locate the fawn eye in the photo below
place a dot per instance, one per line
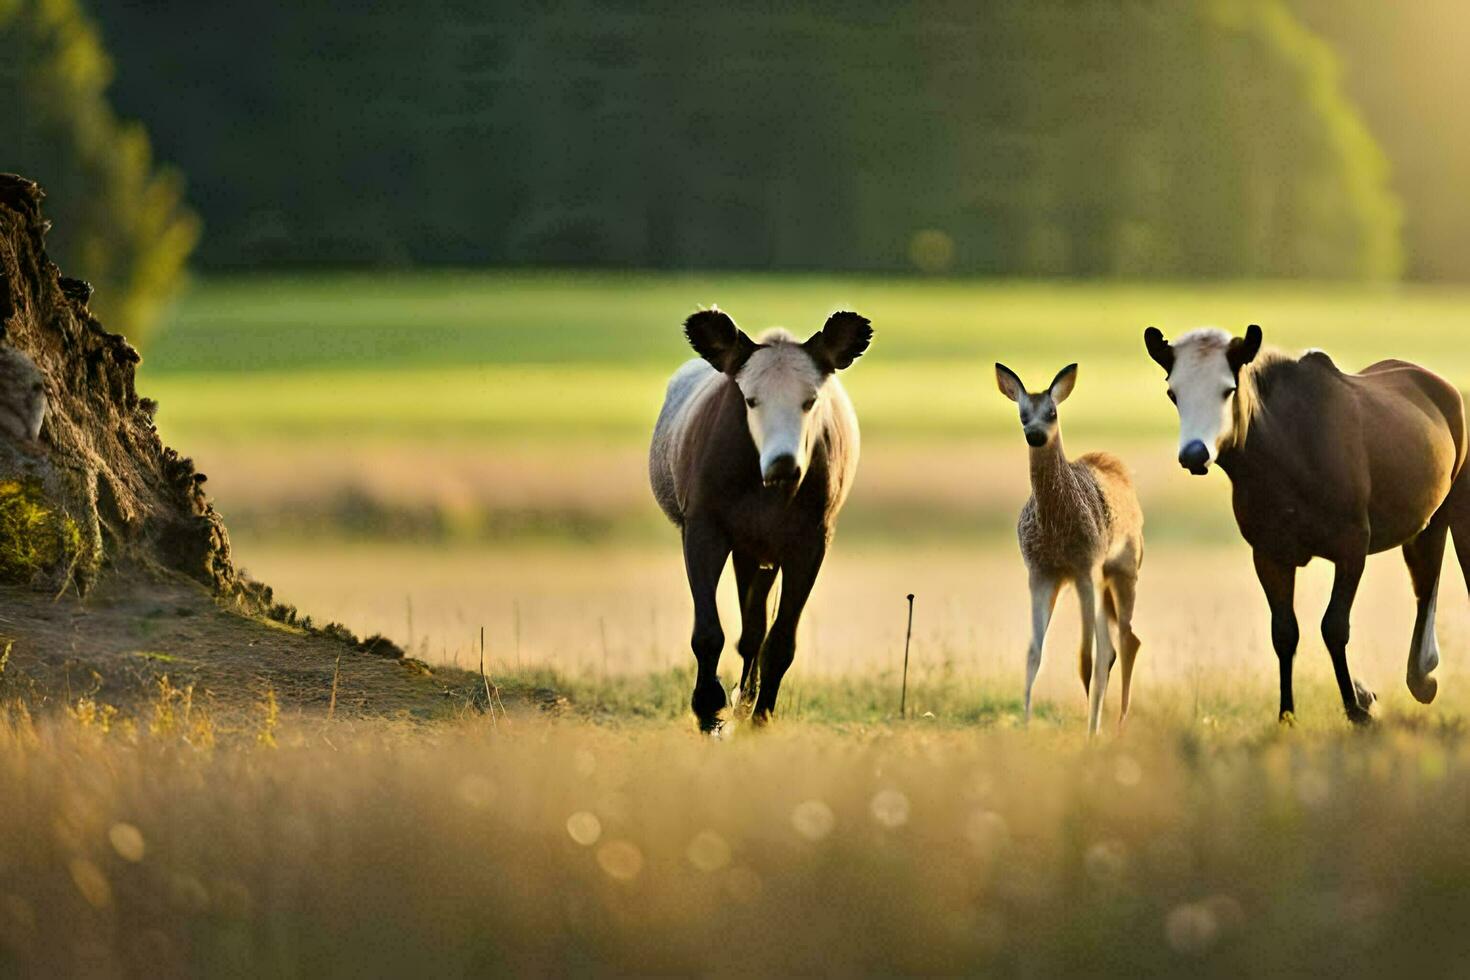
(806, 406)
(1173, 397)
(750, 403)
(1051, 415)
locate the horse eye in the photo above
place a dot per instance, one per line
(1173, 398)
(1229, 391)
(750, 403)
(806, 406)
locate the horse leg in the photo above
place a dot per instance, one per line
(706, 549)
(798, 575)
(753, 585)
(1279, 583)
(1425, 558)
(1123, 588)
(1336, 631)
(1044, 589)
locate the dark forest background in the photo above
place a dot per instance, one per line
(1321, 139)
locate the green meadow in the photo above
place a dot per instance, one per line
(519, 357)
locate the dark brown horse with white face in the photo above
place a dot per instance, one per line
(753, 455)
(1329, 465)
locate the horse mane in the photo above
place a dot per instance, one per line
(1257, 380)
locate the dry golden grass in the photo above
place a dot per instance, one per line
(611, 838)
(1204, 840)
(1219, 846)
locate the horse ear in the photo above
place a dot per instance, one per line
(1159, 349)
(1063, 383)
(841, 341)
(714, 337)
(1243, 350)
(1009, 382)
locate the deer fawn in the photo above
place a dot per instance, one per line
(1083, 526)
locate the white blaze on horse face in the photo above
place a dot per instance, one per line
(1202, 385)
(781, 385)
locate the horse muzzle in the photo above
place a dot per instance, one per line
(782, 472)
(1195, 458)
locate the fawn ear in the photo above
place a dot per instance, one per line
(1159, 349)
(1063, 383)
(1243, 350)
(714, 337)
(1009, 383)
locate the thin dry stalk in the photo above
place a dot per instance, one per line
(602, 629)
(903, 698)
(492, 691)
(515, 610)
(336, 673)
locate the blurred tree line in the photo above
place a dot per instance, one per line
(123, 224)
(1129, 138)
(1015, 137)
(1405, 65)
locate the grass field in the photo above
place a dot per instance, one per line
(508, 358)
(1216, 846)
(427, 455)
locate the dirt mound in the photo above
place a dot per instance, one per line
(98, 488)
(115, 570)
(115, 647)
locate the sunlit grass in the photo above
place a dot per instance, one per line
(1204, 840)
(1218, 847)
(506, 357)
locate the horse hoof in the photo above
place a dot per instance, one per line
(1423, 688)
(1366, 698)
(711, 725)
(1287, 719)
(1360, 716)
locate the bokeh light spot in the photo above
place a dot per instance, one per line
(91, 882)
(621, 859)
(813, 819)
(890, 808)
(1106, 861)
(931, 251)
(1191, 929)
(708, 851)
(127, 841)
(584, 828)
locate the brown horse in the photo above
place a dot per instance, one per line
(1327, 465)
(753, 455)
